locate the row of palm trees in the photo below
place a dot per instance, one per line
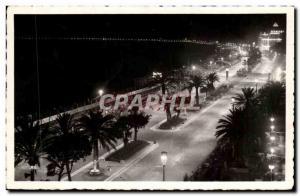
(241, 133)
(170, 79)
(199, 81)
(70, 140)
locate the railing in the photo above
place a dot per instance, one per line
(142, 91)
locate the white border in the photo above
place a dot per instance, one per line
(287, 184)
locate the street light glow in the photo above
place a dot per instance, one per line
(164, 157)
(271, 167)
(272, 150)
(100, 92)
(272, 119)
(272, 127)
(272, 138)
(193, 67)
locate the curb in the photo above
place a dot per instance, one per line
(88, 165)
(133, 162)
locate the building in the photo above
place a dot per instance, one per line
(268, 39)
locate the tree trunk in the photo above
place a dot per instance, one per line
(125, 141)
(96, 153)
(168, 112)
(163, 88)
(190, 91)
(32, 174)
(135, 134)
(68, 171)
(125, 138)
(197, 96)
(60, 172)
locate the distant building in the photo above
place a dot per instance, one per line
(268, 39)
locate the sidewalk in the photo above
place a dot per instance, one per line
(111, 169)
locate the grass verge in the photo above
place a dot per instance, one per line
(128, 151)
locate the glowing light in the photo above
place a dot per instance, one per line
(271, 167)
(272, 138)
(272, 119)
(164, 157)
(193, 67)
(272, 127)
(100, 92)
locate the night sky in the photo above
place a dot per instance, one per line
(71, 71)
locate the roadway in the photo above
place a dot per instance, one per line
(189, 147)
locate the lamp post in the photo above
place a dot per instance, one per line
(227, 73)
(271, 167)
(210, 64)
(232, 102)
(100, 92)
(193, 67)
(272, 127)
(164, 158)
(272, 138)
(272, 150)
(256, 81)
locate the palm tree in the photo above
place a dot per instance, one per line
(99, 128)
(165, 79)
(137, 120)
(211, 79)
(230, 133)
(31, 140)
(246, 99)
(272, 98)
(69, 145)
(198, 81)
(122, 126)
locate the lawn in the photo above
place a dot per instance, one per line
(127, 152)
(174, 122)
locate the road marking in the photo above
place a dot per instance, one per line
(132, 162)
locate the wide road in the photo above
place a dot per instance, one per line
(190, 146)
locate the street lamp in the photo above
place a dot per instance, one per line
(193, 67)
(271, 167)
(272, 127)
(164, 159)
(272, 119)
(256, 81)
(94, 171)
(272, 138)
(227, 73)
(232, 102)
(272, 150)
(100, 92)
